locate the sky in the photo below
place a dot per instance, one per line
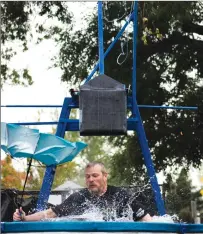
(47, 88)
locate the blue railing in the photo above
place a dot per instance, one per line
(78, 226)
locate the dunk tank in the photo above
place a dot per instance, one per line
(103, 103)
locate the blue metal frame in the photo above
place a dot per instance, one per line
(135, 111)
(62, 226)
(140, 128)
(134, 123)
(50, 171)
(110, 47)
(134, 73)
(100, 37)
(148, 162)
(129, 105)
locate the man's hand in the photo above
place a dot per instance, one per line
(146, 218)
(19, 215)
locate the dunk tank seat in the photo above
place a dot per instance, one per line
(103, 107)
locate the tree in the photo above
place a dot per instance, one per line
(17, 27)
(178, 196)
(64, 172)
(10, 178)
(169, 71)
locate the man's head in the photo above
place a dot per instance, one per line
(96, 177)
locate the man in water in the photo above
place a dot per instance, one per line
(113, 202)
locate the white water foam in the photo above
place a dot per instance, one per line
(163, 219)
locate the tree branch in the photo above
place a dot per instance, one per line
(192, 28)
(165, 46)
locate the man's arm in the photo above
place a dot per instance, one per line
(46, 214)
(139, 212)
(146, 218)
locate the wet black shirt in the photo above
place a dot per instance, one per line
(114, 203)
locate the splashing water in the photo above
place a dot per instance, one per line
(94, 215)
(87, 216)
(164, 219)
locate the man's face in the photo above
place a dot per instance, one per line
(96, 180)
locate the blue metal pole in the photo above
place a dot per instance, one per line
(48, 106)
(50, 171)
(100, 38)
(134, 75)
(148, 162)
(36, 123)
(120, 33)
(139, 126)
(170, 107)
(129, 106)
(46, 188)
